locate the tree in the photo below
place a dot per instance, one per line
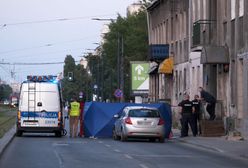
(5, 91)
(134, 31)
(80, 79)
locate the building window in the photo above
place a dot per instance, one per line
(198, 79)
(172, 52)
(241, 8)
(184, 79)
(224, 32)
(204, 9)
(176, 52)
(172, 29)
(241, 33)
(185, 46)
(232, 34)
(233, 7)
(167, 31)
(176, 28)
(158, 34)
(225, 8)
(193, 9)
(164, 34)
(179, 81)
(176, 85)
(181, 51)
(161, 33)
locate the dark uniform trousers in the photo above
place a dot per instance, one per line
(211, 110)
(188, 118)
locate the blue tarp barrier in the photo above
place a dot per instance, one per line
(99, 117)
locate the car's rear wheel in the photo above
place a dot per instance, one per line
(115, 137)
(123, 137)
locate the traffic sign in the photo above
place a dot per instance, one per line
(81, 94)
(140, 76)
(118, 93)
(95, 86)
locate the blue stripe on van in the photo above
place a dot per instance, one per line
(40, 114)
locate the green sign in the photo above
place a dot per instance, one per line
(140, 77)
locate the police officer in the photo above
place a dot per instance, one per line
(74, 113)
(211, 101)
(187, 110)
(197, 114)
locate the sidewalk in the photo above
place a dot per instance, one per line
(238, 148)
(6, 139)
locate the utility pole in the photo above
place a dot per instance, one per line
(118, 61)
(122, 68)
(120, 65)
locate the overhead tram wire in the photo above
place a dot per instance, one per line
(46, 45)
(52, 20)
(34, 63)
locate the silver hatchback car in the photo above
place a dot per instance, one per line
(139, 122)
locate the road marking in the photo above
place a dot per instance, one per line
(166, 156)
(107, 145)
(116, 150)
(100, 142)
(128, 156)
(59, 159)
(143, 166)
(60, 144)
(204, 147)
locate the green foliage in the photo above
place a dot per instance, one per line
(134, 31)
(5, 91)
(103, 68)
(80, 79)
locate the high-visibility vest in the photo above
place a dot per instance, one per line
(75, 109)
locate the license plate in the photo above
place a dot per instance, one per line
(31, 123)
(144, 123)
(49, 122)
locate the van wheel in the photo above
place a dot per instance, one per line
(19, 133)
(58, 134)
(152, 139)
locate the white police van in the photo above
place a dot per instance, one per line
(40, 106)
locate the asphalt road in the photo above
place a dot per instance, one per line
(39, 151)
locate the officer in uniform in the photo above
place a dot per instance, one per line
(187, 110)
(74, 113)
(197, 114)
(211, 101)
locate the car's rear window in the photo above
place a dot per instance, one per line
(144, 113)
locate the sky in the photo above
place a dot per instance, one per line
(33, 31)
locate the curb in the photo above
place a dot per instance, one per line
(6, 139)
(202, 146)
(212, 149)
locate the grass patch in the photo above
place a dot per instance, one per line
(7, 119)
